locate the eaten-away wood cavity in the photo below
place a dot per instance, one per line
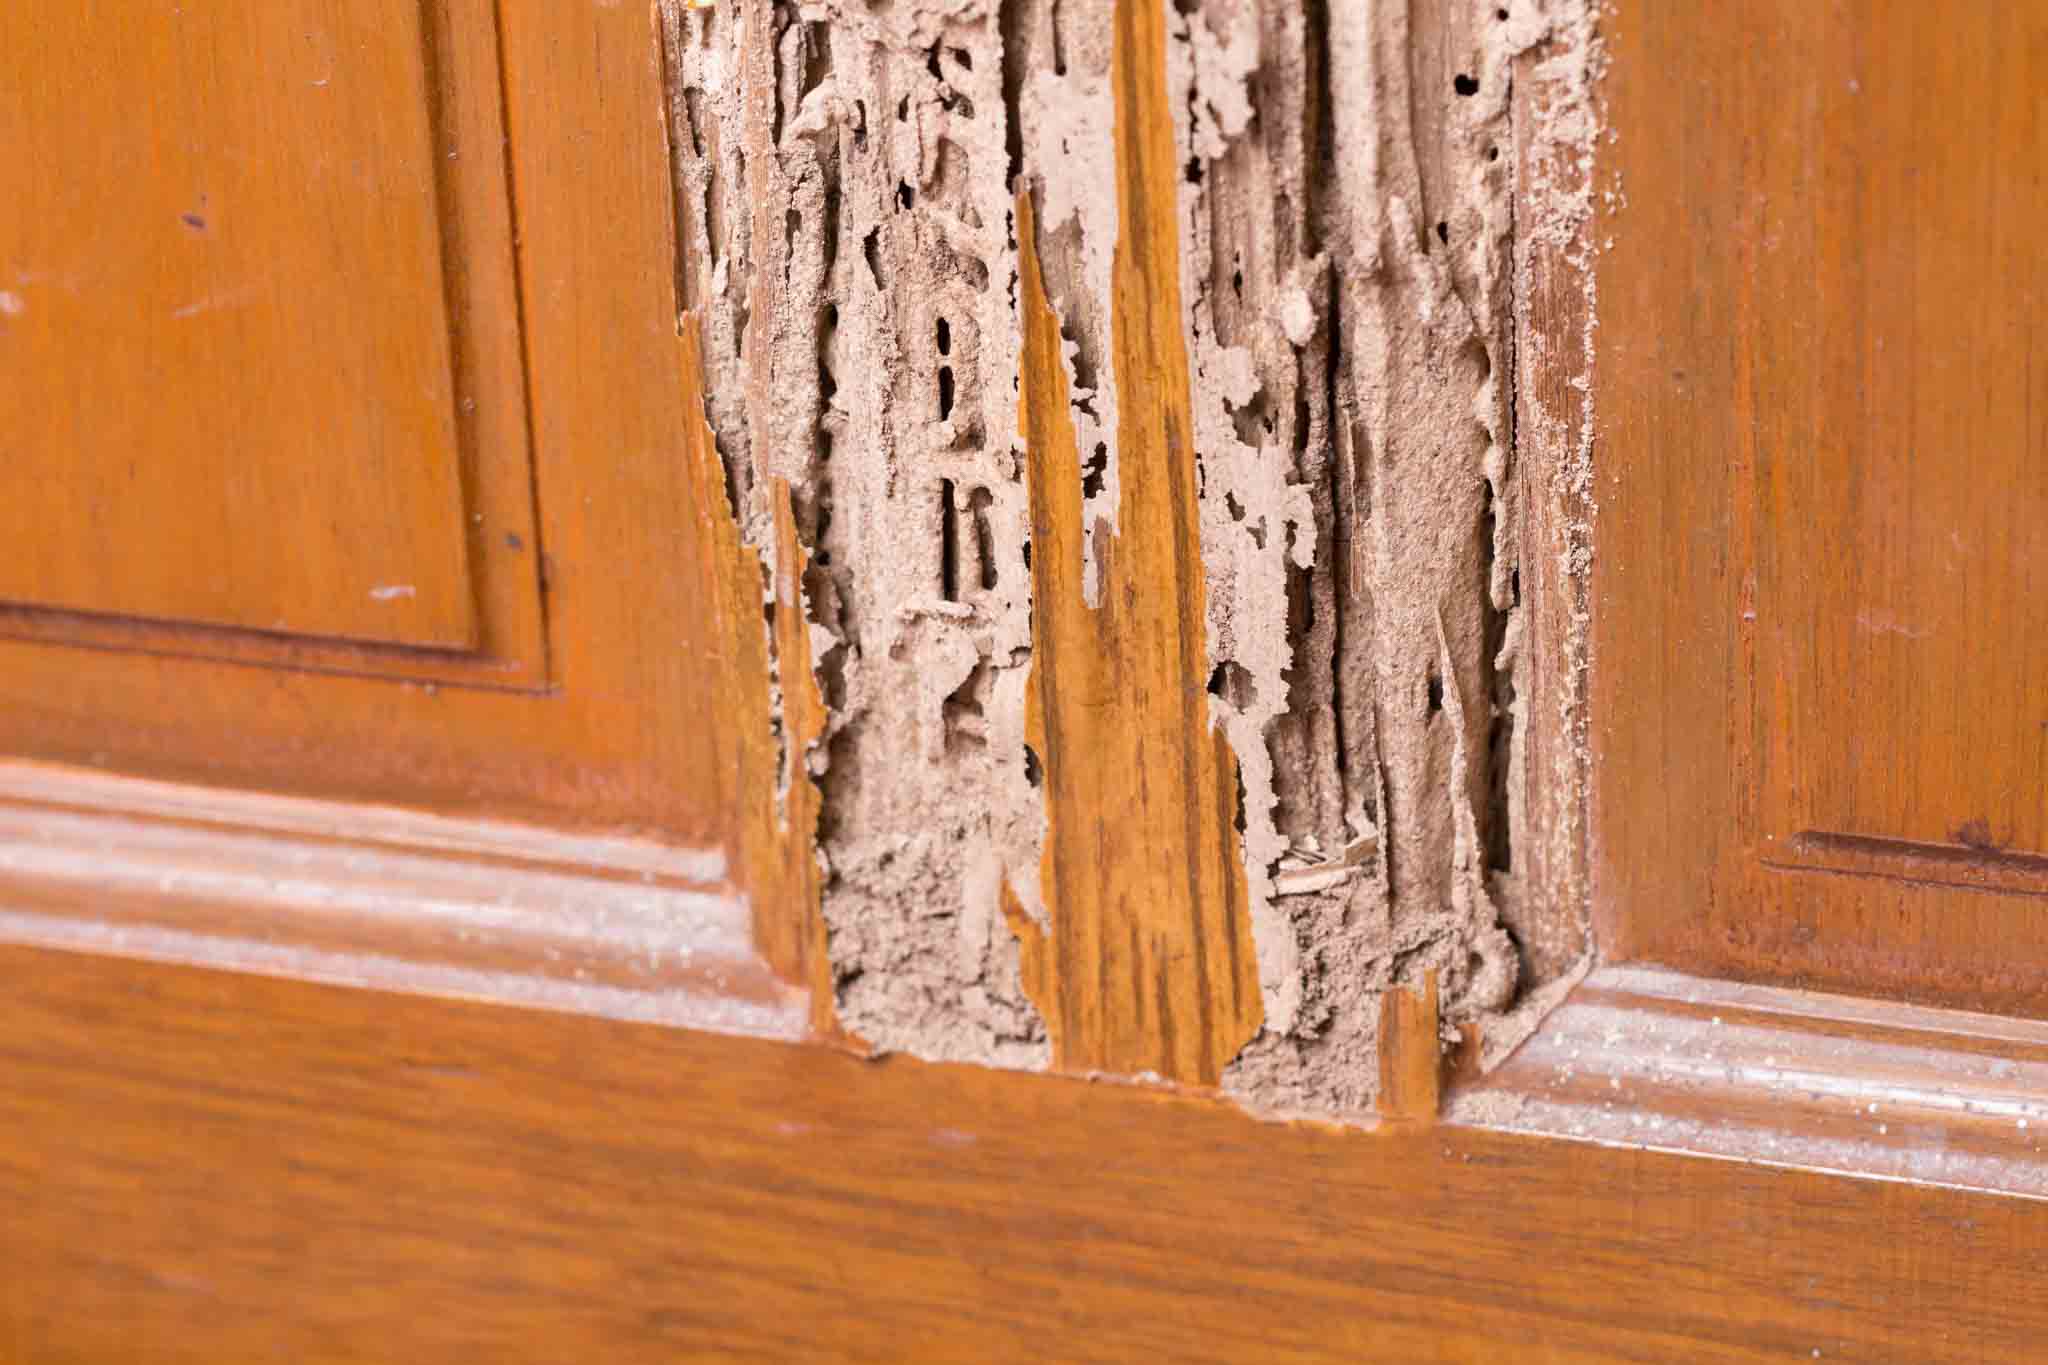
(1143, 381)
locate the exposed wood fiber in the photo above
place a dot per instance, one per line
(1242, 595)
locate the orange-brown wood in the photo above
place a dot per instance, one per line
(173, 496)
(651, 712)
(200, 1166)
(229, 383)
(769, 709)
(1148, 964)
(1821, 665)
(1411, 1051)
(1553, 451)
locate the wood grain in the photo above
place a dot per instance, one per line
(769, 709)
(202, 1166)
(1553, 456)
(1820, 723)
(228, 382)
(634, 732)
(458, 97)
(1148, 962)
(1411, 1052)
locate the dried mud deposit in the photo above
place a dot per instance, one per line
(1352, 242)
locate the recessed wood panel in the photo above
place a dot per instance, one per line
(633, 725)
(1902, 486)
(234, 267)
(1820, 691)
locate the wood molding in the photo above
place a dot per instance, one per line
(1649, 1058)
(383, 898)
(209, 1167)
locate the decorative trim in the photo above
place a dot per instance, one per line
(1652, 1059)
(384, 898)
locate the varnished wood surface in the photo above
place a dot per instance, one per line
(384, 898)
(638, 723)
(1820, 691)
(227, 380)
(1645, 1057)
(1148, 964)
(202, 1166)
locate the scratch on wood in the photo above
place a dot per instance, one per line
(1148, 963)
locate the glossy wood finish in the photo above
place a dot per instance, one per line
(172, 487)
(1644, 1057)
(1148, 964)
(1821, 685)
(384, 898)
(651, 715)
(228, 384)
(358, 1176)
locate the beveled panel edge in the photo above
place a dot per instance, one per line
(1647, 1058)
(383, 898)
(1971, 867)
(483, 293)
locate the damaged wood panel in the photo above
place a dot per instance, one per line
(1555, 125)
(876, 317)
(871, 203)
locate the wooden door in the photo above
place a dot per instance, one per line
(409, 940)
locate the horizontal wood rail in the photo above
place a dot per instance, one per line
(379, 897)
(1649, 1058)
(362, 1176)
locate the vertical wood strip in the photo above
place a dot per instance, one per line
(1554, 459)
(1411, 1053)
(1148, 963)
(766, 717)
(789, 848)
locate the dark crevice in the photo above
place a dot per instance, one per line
(1094, 470)
(1010, 21)
(979, 500)
(949, 544)
(1498, 687)
(1233, 683)
(1343, 518)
